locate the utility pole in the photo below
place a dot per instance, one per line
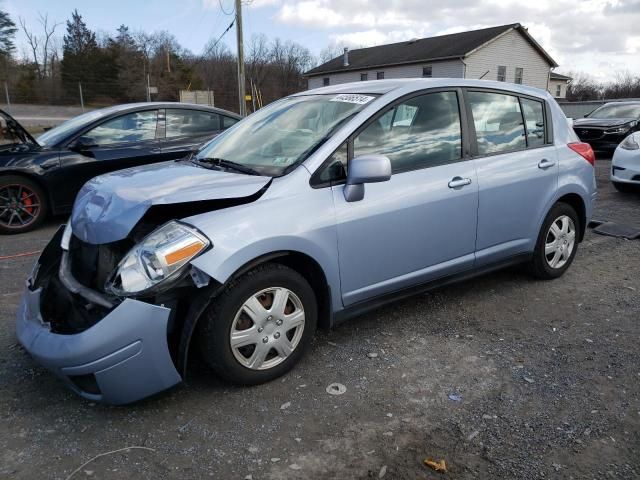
(6, 92)
(81, 99)
(241, 92)
(148, 89)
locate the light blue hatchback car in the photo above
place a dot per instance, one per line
(312, 210)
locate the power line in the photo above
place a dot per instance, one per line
(215, 44)
(223, 10)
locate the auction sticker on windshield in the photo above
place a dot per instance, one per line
(352, 98)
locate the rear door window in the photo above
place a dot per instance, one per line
(534, 121)
(498, 122)
(190, 123)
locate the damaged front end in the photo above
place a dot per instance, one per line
(110, 348)
(113, 300)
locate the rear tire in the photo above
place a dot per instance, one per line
(23, 204)
(557, 243)
(624, 187)
(260, 326)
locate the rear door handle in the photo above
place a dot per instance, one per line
(459, 182)
(544, 164)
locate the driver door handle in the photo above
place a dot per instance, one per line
(544, 164)
(459, 182)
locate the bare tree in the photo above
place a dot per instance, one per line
(40, 45)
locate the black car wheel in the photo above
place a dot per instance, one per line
(23, 204)
(625, 187)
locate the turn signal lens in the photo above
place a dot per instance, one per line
(184, 253)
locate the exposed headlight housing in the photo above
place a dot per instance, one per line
(622, 128)
(630, 143)
(157, 259)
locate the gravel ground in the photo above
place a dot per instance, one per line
(501, 376)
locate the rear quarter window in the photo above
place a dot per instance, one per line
(533, 111)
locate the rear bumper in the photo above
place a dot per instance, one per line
(124, 357)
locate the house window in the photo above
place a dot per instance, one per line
(558, 90)
(502, 73)
(427, 71)
(519, 73)
(380, 75)
(364, 77)
(325, 81)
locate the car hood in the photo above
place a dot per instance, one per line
(109, 206)
(18, 130)
(601, 122)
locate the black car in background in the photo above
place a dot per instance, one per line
(608, 125)
(43, 175)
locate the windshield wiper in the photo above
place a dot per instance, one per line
(228, 164)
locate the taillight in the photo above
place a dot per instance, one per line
(584, 150)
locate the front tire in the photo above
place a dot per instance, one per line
(624, 187)
(23, 204)
(557, 243)
(260, 326)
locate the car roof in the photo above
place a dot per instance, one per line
(126, 107)
(382, 87)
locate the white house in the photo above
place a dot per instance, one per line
(506, 53)
(558, 85)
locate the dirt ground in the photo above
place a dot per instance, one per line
(501, 376)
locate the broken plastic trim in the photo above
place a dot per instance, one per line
(71, 284)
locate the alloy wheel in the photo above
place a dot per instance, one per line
(19, 206)
(560, 241)
(267, 328)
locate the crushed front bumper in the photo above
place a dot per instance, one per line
(122, 358)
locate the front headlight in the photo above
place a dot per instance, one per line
(622, 129)
(159, 257)
(630, 143)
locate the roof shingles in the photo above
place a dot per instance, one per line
(455, 45)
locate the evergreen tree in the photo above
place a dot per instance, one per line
(7, 33)
(81, 60)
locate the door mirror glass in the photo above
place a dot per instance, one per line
(365, 169)
(83, 144)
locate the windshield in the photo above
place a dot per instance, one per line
(616, 111)
(59, 133)
(274, 139)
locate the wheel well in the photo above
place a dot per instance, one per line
(577, 203)
(309, 269)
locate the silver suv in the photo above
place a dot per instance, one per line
(314, 209)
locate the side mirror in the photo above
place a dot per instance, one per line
(365, 169)
(83, 144)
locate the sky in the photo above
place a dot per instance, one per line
(597, 37)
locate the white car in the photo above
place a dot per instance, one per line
(625, 166)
